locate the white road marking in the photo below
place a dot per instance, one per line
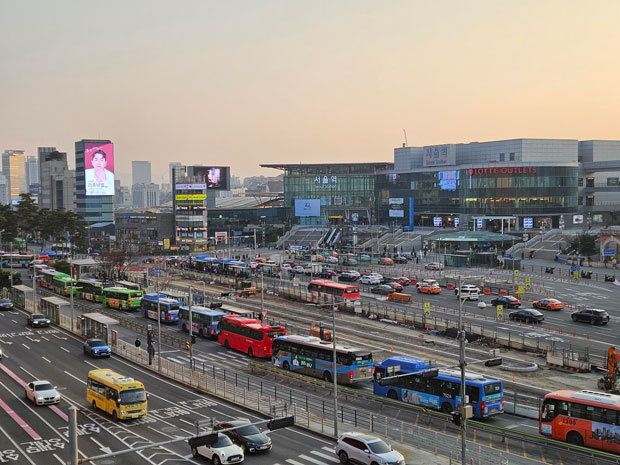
(325, 456)
(311, 459)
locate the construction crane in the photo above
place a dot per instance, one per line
(406, 143)
(609, 382)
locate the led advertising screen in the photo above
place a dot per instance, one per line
(448, 180)
(215, 177)
(99, 168)
(307, 207)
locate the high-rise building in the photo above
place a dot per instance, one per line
(141, 172)
(146, 195)
(94, 180)
(4, 190)
(32, 171)
(14, 169)
(171, 168)
(56, 180)
(189, 195)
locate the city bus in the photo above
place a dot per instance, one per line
(583, 418)
(328, 288)
(117, 395)
(45, 277)
(248, 335)
(205, 321)
(168, 308)
(121, 298)
(311, 356)
(16, 260)
(92, 289)
(128, 285)
(443, 392)
(62, 284)
(243, 312)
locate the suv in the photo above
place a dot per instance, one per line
(468, 292)
(593, 316)
(365, 449)
(246, 435)
(38, 320)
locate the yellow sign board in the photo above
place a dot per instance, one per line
(528, 283)
(516, 273)
(166, 244)
(191, 196)
(500, 313)
(521, 291)
(427, 309)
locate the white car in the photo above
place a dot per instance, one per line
(331, 259)
(299, 269)
(468, 292)
(369, 279)
(223, 452)
(42, 393)
(354, 273)
(365, 449)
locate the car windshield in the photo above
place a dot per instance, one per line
(43, 387)
(511, 298)
(5, 301)
(248, 430)
(222, 441)
(133, 396)
(599, 312)
(534, 312)
(379, 447)
(97, 343)
(38, 317)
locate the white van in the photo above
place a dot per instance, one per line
(469, 292)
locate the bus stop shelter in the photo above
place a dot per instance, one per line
(97, 325)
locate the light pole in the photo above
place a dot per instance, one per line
(158, 327)
(335, 370)
(191, 325)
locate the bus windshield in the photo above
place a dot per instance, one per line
(133, 295)
(133, 396)
(274, 334)
(492, 388)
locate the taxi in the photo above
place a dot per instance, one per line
(548, 304)
(429, 288)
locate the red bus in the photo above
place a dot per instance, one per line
(248, 335)
(583, 418)
(326, 287)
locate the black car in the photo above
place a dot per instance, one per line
(396, 286)
(400, 259)
(245, 435)
(389, 279)
(6, 304)
(328, 274)
(529, 315)
(38, 320)
(593, 316)
(383, 289)
(350, 277)
(507, 301)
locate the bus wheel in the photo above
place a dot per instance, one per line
(445, 407)
(250, 352)
(327, 376)
(94, 405)
(226, 344)
(286, 366)
(574, 438)
(392, 395)
(195, 452)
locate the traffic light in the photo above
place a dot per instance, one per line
(226, 294)
(283, 422)
(149, 337)
(456, 418)
(193, 339)
(137, 343)
(205, 440)
(187, 345)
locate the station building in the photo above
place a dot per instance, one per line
(498, 185)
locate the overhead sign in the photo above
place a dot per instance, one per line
(396, 201)
(307, 207)
(439, 155)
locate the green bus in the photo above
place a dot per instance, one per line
(62, 284)
(92, 289)
(122, 298)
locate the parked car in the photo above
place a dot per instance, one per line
(369, 279)
(41, 393)
(223, 452)
(299, 269)
(328, 274)
(429, 288)
(348, 276)
(403, 281)
(433, 266)
(97, 348)
(594, 316)
(400, 259)
(386, 261)
(396, 286)
(364, 258)
(349, 262)
(364, 449)
(468, 292)
(528, 315)
(245, 435)
(331, 260)
(38, 320)
(382, 289)
(507, 301)
(548, 304)
(6, 304)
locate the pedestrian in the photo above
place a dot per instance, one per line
(417, 260)
(614, 263)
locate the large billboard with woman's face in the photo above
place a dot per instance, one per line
(215, 177)
(99, 168)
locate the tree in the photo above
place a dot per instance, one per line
(5, 280)
(27, 214)
(584, 244)
(63, 266)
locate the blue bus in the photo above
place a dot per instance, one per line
(168, 308)
(311, 356)
(205, 321)
(486, 394)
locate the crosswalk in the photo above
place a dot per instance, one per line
(324, 456)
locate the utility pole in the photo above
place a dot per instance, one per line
(158, 328)
(254, 242)
(335, 369)
(262, 290)
(191, 326)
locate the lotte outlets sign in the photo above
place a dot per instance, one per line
(503, 170)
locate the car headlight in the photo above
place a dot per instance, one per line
(39, 399)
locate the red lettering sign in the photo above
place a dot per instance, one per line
(505, 170)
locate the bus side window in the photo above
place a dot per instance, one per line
(549, 410)
(473, 392)
(562, 408)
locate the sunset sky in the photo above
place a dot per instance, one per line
(246, 82)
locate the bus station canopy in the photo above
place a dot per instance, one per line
(474, 236)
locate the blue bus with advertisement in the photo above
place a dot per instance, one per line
(167, 307)
(486, 394)
(205, 321)
(312, 356)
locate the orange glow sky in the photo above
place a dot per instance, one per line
(246, 82)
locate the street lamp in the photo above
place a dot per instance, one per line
(334, 365)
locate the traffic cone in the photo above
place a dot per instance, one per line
(392, 348)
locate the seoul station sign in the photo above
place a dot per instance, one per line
(503, 170)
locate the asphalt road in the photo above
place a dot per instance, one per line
(38, 435)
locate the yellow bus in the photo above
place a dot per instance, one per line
(115, 394)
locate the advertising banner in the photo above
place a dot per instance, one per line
(397, 213)
(437, 221)
(577, 219)
(99, 168)
(528, 223)
(307, 207)
(215, 177)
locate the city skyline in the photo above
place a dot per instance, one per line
(279, 82)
